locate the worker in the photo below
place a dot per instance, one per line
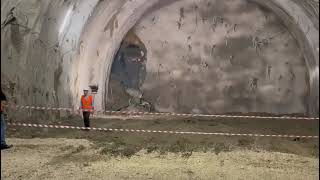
(87, 107)
(3, 124)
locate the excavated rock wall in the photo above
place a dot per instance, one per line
(212, 62)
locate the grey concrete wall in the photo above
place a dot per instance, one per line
(38, 52)
(203, 55)
(69, 45)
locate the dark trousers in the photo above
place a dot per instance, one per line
(86, 119)
(3, 131)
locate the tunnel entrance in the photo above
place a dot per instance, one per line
(129, 66)
(128, 73)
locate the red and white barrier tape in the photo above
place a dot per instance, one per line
(157, 131)
(167, 114)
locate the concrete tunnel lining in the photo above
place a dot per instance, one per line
(99, 32)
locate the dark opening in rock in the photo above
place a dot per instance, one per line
(128, 73)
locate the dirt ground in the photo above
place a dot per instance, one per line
(80, 159)
(61, 153)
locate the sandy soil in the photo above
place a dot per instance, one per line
(80, 159)
(183, 143)
(61, 153)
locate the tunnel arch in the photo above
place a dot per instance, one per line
(70, 45)
(290, 13)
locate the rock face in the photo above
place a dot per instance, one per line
(208, 56)
(222, 56)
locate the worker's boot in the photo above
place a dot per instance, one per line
(5, 146)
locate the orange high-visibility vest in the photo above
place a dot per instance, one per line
(86, 102)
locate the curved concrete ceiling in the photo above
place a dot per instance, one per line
(72, 44)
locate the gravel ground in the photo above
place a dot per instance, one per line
(41, 153)
(58, 158)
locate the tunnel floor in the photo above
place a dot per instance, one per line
(142, 156)
(78, 159)
(178, 143)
